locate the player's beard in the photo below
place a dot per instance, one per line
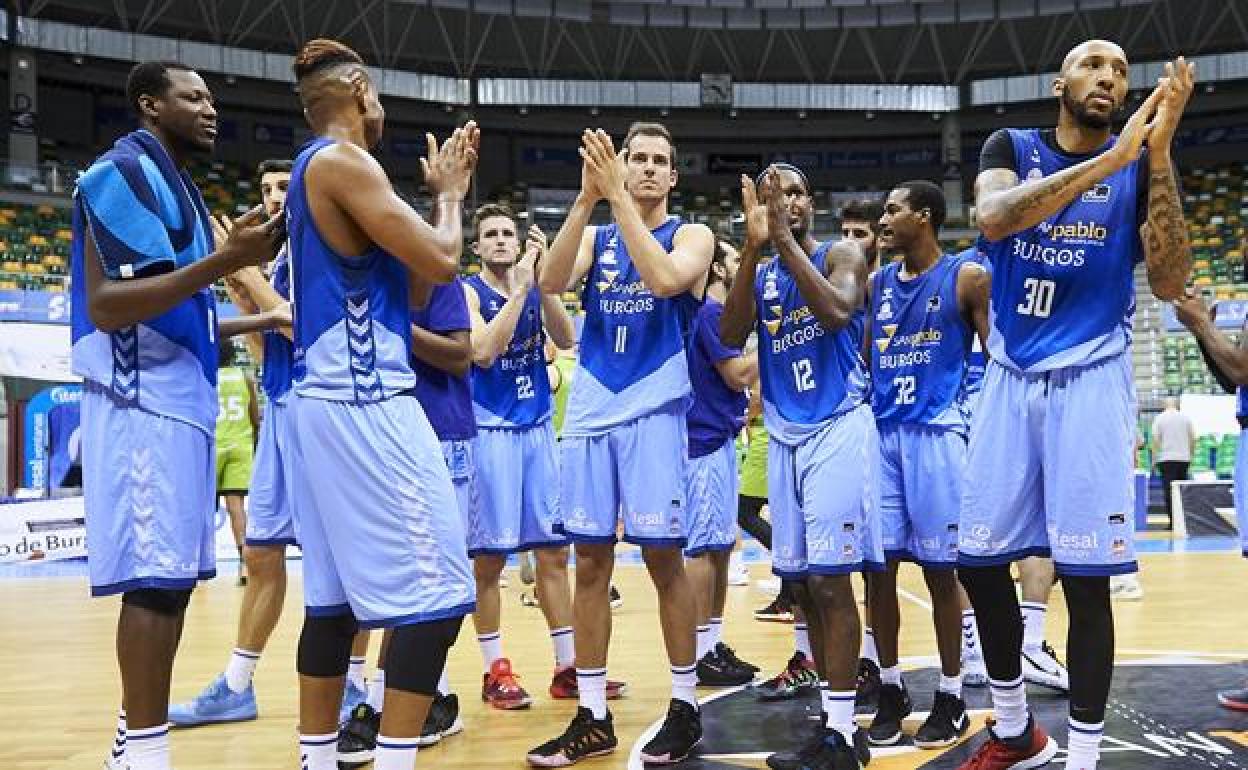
(1079, 111)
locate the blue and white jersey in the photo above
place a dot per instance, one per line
(921, 343)
(808, 375)
(352, 341)
(515, 391)
(275, 371)
(446, 398)
(1063, 292)
(977, 362)
(632, 357)
(167, 364)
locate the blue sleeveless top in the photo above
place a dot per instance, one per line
(632, 351)
(921, 343)
(278, 350)
(809, 376)
(167, 364)
(352, 341)
(515, 391)
(1063, 292)
(718, 411)
(446, 399)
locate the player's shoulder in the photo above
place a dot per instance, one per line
(344, 158)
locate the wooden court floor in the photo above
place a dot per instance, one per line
(60, 683)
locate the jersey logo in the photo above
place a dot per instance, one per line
(885, 312)
(493, 306)
(609, 277)
(1098, 194)
(608, 253)
(889, 331)
(773, 326)
(933, 304)
(769, 288)
(1035, 173)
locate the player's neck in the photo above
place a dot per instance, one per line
(920, 259)
(344, 130)
(178, 151)
(1076, 138)
(499, 278)
(653, 213)
(717, 291)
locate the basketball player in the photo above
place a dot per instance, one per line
(860, 222)
(1040, 663)
(380, 547)
(1229, 363)
(720, 375)
(230, 697)
(144, 334)
(923, 311)
(519, 482)
(238, 419)
(806, 303)
(1069, 213)
(622, 454)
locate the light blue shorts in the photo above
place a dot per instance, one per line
(150, 497)
(921, 471)
(824, 499)
(461, 462)
(269, 519)
(1050, 470)
(635, 472)
(1241, 495)
(518, 481)
(711, 492)
(376, 513)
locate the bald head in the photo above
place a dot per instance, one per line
(1090, 47)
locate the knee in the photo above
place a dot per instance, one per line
(941, 583)
(664, 564)
(325, 645)
(551, 560)
(1087, 598)
(488, 568)
(417, 655)
(594, 563)
(831, 592)
(264, 561)
(162, 601)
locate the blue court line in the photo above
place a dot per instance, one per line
(751, 553)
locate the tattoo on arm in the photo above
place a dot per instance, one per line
(1168, 253)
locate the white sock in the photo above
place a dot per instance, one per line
(319, 752)
(1009, 705)
(239, 670)
(591, 683)
(377, 690)
(395, 753)
(444, 683)
(119, 738)
(838, 706)
(891, 675)
(802, 636)
(147, 748)
(868, 646)
(951, 685)
(565, 646)
(1033, 624)
(970, 635)
(704, 641)
(1083, 745)
(717, 631)
(355, 672)
(685, 684)
(491, 648)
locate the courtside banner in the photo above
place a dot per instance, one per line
(42, 530)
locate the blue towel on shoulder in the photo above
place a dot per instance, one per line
(145, 214)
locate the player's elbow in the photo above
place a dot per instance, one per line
(991, 218)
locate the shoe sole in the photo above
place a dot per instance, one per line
(508, 705)
(1233, 705)
(535, 761)
(650, 759)
(1042, 758)
(356, 758)
(773, 618)
(892, 740)
(215, 721)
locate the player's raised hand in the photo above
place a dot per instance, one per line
(773, 199)
(755, 213)
(253, 240)
(448, 169)
(536, 242)
(603, 166)
(1176, 86)
(1192, 310)
(1137, 129)
(525, 271)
